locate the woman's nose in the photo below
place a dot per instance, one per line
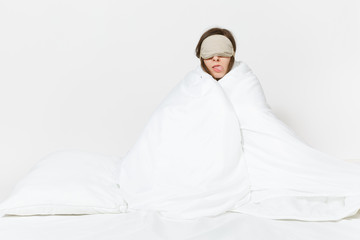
(215, 58)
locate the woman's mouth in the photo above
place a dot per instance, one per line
(218, 68)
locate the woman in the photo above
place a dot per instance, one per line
(214, 60)
(213, 145)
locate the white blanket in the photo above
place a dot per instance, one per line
(152, 226)
(215, 146)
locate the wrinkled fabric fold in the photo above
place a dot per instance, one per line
(215, 146)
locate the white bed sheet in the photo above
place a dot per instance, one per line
(136, 225)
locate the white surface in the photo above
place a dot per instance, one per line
(229, 226)
(87, 74)
(68, 182)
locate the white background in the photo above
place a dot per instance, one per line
(87, 74)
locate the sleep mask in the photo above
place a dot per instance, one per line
(216, 45)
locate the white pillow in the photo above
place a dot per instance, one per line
(68, 182)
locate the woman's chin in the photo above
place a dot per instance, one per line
(217, 76)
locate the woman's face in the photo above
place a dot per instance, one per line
(218, 66)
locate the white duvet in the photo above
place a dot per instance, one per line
(215, 146)
(152, 226)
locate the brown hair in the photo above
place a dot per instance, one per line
(213, 31)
